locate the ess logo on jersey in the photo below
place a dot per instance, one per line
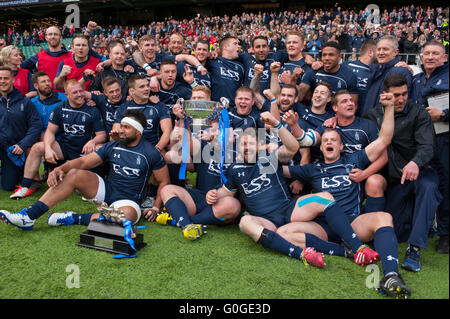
(74, 129)
(125, 171)
(110, 117)
(214, 167)
(336, 181)
(256, 184)
(264, 76)
(233, 75)
(149, 124)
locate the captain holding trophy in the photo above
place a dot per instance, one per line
(201, 143)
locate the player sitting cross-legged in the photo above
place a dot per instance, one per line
(132, 160)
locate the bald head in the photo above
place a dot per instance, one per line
(53, 37)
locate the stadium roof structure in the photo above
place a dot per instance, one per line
(23, 9)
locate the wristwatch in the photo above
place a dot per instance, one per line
(443, 116)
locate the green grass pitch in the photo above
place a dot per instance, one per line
(46, 263)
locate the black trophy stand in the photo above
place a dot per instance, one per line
(109, 236)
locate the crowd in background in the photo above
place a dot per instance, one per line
(412, 25)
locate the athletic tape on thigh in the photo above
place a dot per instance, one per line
(315, 199)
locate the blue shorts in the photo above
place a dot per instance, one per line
(67, 152)
(282, 215)
(332, 236)
(199, 198)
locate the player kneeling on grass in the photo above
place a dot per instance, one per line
(332, 174)
(132, 160)
(261, 183)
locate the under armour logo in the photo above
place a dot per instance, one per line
(392, 258)
(116, 155)
(241, 174)
(180, 220)
(291, 250)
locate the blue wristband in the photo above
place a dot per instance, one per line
(278, 126)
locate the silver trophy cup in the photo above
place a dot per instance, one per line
(202, 112)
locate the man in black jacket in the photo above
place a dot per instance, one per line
(432, 82)
(412, 196)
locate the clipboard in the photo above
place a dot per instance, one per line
(441, 102)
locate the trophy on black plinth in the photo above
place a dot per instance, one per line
(108, 233)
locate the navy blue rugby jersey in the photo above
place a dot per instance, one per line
(334, 178)
(226, 77)
(249, 62)
(204, 80)
(171, 96)
(76, 126)
(261, 184)
(107, 110)
(129, 169)
(357, 135)
(340, 80)
(154, 114)
(291, 65)
(208, 170)
(362, 73)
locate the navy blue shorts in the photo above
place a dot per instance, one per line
(67, 152)
(199, 198)
(282, 215)
(332, 236)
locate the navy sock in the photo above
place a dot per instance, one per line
(386, 245)
(323, 246)
(272, 240)
(375, 204)
(82, 219)
(207, 217)
(152, 190)
(177, 209)
(37, 210)
(26, 182)
(339, 223)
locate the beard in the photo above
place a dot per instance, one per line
(46, 94)
(284, 108)
(125, 141)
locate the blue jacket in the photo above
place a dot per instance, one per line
(19, 121)
(435, 84)
(376, 86)
(45, 108)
